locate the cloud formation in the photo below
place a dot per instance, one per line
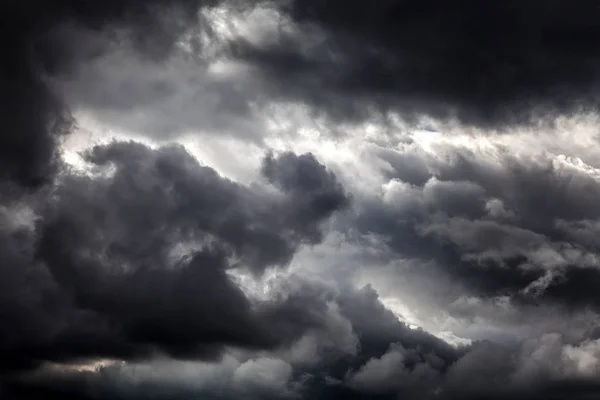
(505, 63)
(134, 260)
(34, 117)
(299, 200)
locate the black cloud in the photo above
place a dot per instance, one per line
(486, 64)
(303, 304)
(100, 273)
(400, 362)
(313, 192)
(37, 43)
(499, 225)
(137, 256)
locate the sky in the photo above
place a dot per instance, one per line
(299, 199)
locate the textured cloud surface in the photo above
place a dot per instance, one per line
(299, 200)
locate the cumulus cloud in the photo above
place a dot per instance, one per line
(497, 221)
(504, 64)
(299, 200)
(137, 256)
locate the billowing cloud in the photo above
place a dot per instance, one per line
(494, 65)
(37, 44)
(299, 200)
(135, 258)
(499, 222)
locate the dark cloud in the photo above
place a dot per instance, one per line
(498, 66)
(401, 362)
(378, 330)
(145, 256)
(505, 63)
(377, 327)
(135, 258)
(302, 303)
(534, 370)
(495, 223)
(313, 192)
(37, 42)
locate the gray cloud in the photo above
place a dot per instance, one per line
(164, 98)
(498, 65)
(136, 258)
(360, 317)
(389, 360)
(191, 284)
(34, 116)
(500, 224)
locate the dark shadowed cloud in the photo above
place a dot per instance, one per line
(494, 64)
(294, 262)
(499, 223)
(306, 304)
(400, 362)
(135, 259)
(37, 43)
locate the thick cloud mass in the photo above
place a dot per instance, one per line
(502, 225)
(135, 259)
(297, 200)
(36, 44)
(486, 64)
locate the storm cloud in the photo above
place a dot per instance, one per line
(137, 258)
(299, 200)
(487, 65)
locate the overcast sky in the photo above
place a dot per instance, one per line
(300, 199)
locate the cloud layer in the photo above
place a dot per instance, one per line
(299, 200)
